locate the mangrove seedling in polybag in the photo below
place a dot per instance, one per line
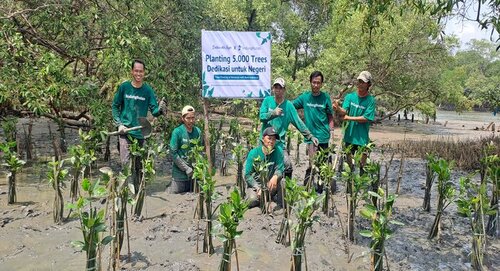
(230, 215)
(304, 208)
(473, 203)
(13, 165)
(446, 192)
(56, 176)
(380, 219)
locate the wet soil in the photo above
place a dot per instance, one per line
(167, 237)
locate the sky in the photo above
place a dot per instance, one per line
(467, 30)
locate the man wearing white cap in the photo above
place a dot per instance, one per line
(358, 110)
(277, 112)
(182, 170)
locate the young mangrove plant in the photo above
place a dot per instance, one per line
(261, 168)
(380, 218)
(429, 180)
(239, 152)
(230, 215)
(304, 208)
(326, 173)
(373, 170)
(137, 153)
(9, 128)
(206, 180)
(357, 186)
(473, 203)
(13, 165)
(118, 197)
(446, 192)
(92, 223)
(235, 130)
(289, 135)
(300, 139)
(148, 154)
(492, 174)
(81, 159)
(225, 144)
(56, 176)
(292, 194)
(195, 154)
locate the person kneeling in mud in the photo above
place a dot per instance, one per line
(267, 153)
(182, 170)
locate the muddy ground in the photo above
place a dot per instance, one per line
(166, 239)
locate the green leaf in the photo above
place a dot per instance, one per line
(366, 233)
(395, 222)
(106, 240)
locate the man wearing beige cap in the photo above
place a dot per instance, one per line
(182, 170)
(277, 112)
(358, 110)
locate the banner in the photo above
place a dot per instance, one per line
(236, 64)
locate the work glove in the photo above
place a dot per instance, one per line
(121, 128)
(315, 141)
(277, 112)
(189, 172)
(163, 106)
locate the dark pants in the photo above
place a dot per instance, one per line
(178, 186)
(136, 170)
(309, 171)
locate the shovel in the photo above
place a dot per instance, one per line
(144, 125)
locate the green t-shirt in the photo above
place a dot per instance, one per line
(131, 103)
(316, 111)
(357, 133)
(280, 123)
(180, 137)
(275, 158)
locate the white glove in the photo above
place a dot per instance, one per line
(121, 128)
(277, 111)
(189, 172)
(163, 106)
(315, 141)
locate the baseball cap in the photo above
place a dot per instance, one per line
(269, 131)
(187, 109)
(365, 76)
(280, 81)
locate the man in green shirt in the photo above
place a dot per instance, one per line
(278, 112)
(133, 100)
(267, 152)
(318, 114)
(358, 110)
(182, 169)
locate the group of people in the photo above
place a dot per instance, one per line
(134, 98)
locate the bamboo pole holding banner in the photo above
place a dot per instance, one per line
(206, 134)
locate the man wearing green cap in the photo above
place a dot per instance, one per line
(278, 112)
(268, 152)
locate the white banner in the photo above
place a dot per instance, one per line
(236, 64)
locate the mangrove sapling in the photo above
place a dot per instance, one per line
(300, 139)
(118, 197)
(92, 223)
(261, 168)
(202, 173)
(492, 174)
(195, 154)
(56, 176)
(137, 153)
(81, 159)
(429, 180)
(380, 219)
(473, 203)
(13, 165)
(292, 194)
(215, 136)
(357, 185)
(326, 173)
(239, 152)
(446, 192)
(373, 171)
(235, 130)
(9, 128)
(304, 208)
(289, 135)
(230, 215)
(225, 143)
(148, 155)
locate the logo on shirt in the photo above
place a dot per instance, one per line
(134, 97)
(316, 105)
(358, 106)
